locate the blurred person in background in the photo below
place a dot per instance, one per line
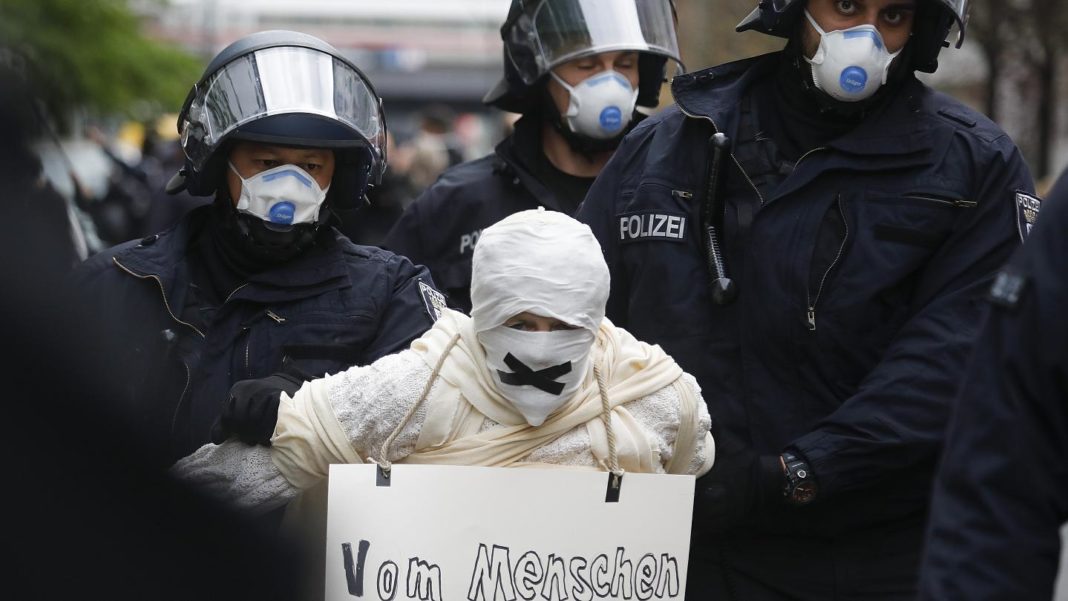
(810, 233)
(122, 212)
(256, 283)
(369, 222)
(161, 157)
(38, 221)
(582, 73)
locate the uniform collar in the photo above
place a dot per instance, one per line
(514, 151)
(164, 257)
(892, 128)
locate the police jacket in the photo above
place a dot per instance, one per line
(1000, 497)
(440, 228)
(859, 279)
(336, 305)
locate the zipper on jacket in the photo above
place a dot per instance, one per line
(959, 203)
(810, 317)
(234, 291)
(248, 345)
(682, 194)
(162, 292)
(181, 399)
(277, 318)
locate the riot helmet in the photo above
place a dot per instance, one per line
(285, 88)
(934, 19)
(542, 34)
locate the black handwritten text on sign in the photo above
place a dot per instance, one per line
(495, 577)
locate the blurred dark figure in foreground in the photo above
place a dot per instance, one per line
(91, 520)
(1000, 498)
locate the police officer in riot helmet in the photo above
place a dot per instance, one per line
(810, 233)
(282, 130)
(582, 73)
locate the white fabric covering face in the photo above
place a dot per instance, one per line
(542, 262)
(538, 351)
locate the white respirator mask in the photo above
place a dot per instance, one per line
(537, 372)
(601, 106)
(850, 64)
(284, 195)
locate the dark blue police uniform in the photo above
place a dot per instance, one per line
(1000, 497)
(859, 277)
(441, 227)
(336, 305)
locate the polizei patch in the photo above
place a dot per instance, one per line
(433, 300)
(636, 227)
(1027, 208)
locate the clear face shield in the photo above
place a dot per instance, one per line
(279, 81)
(553, 32)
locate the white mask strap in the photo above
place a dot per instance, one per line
(816, 25)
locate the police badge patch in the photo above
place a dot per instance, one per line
(433, 300)
(1027, 208)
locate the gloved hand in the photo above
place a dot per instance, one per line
(739, 484)
(252, 409)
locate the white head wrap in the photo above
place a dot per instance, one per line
(539, 261)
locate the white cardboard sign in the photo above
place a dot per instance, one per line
(452, 533)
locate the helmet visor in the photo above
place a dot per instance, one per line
(557, 31)
(279, 81)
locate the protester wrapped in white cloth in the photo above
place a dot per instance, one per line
(536, 376)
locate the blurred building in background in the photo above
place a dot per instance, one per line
(417, 52)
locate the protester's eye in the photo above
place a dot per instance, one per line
(517, 325)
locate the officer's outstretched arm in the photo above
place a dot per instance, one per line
(340, 418)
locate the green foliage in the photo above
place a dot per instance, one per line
(91, 54)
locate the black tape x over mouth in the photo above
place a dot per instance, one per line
(542, 379)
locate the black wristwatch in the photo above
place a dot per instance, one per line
(800, 486)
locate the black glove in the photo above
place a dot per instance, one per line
(739, 484)
(252, 409)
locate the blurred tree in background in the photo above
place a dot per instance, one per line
(1021, 41)
(707, 36)
(90, 54)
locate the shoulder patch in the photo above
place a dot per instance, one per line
(1027, 208)
(433, 300)
(651, 225)
(1007, 288)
